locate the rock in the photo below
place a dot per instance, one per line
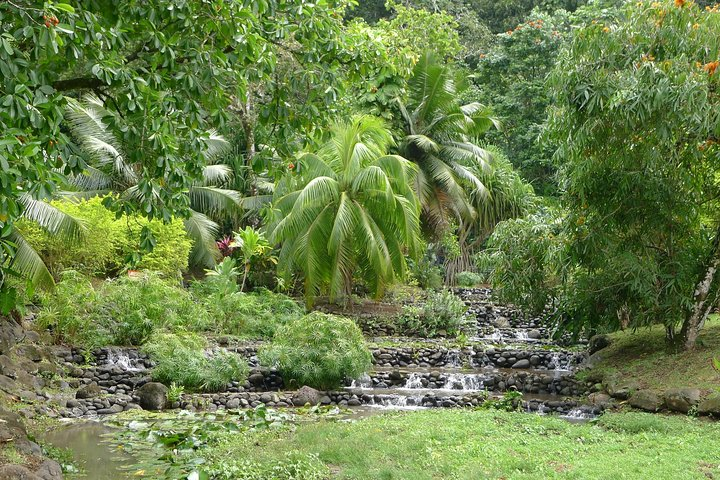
(521, 364)
(598, 342)
(88, 391)
(622, 389)
(50, 470)
(599, 399)
(306, 395)
(11, 332)
(109, 411)
(595, 359)
(152, 396)
(233, 403)
(534, 334)
(257, 379)
(8, 367)
(17, 472)
(681, 399)
(710, 406)
(325, 400)
(646, 400)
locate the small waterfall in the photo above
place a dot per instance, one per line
(465, 382)
(123, 361)
(414, 381)
(522, 335)
(453, 358)
(577, 415)
(364, 381)
(396, 402)
(558, 365)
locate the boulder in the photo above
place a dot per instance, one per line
(306, 395)
(597, 343)
(50, 470)
(681, 399)
(11, 332)
(622, 389)
(88, 391)
(646, 400)
(17, 472)
(153, 396)
(257, 379)
(521, 364)
(710, 406)
(599, 399)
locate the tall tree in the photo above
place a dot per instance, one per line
(347, 211)
(637, 119)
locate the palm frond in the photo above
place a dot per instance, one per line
(203, 232)
(28, 263)
(52, 219)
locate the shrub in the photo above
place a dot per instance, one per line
(426, 272)
(132, 308)
(124, 311)
(109, 241)
(181, 359)
(253, 315)
(318, 350)
(441, 314)
(68, 312)
(468, 279)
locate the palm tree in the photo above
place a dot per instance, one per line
(347, 210)
(438, 132)
(23, 260)
(109, 172)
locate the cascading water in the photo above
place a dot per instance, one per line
(465, 382)
(123, 361)
(364, 381)
(453, 358)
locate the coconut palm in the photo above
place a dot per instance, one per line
(109, 172)
(438, 132)
(23, 259)
(347, 210)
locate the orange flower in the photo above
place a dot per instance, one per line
(711, 67)
(680, 3)
(291, 166)
(606, 29)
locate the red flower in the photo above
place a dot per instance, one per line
(291, 166)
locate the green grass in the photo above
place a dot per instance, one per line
(642, 356)
(456, 444)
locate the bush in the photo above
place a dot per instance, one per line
(253, 315)
(468, 279)
(108, 242)
(180, 359)
(426, 272)
(318, 350)
(442, 314)
(124, 311)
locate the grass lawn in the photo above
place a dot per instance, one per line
(642, 356)
(461, 444)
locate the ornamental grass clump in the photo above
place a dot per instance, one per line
(181, 359)
(318, 350)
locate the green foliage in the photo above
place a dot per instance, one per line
(109, 242)
(347, 212)
(511, 401)
(318, 350)
(426, 271)
(468, 279)
(441, 314)
(636, 119)
(125, 311)
(255, 314)
(175, 392)
(254, 250)
(181, 359)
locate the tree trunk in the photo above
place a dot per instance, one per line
(704, 298)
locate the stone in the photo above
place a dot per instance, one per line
(257, 379)
(622, 390)
(306, 395)
(17, 472)
(11, 332)
(681, 399)
(710, 406)
(152, 396)
(598, 342)
(525, 363)
(646, 400)
(112, 409)
(233, 403)
(88, 391)
(534, 334)
(599, 399)
(325, 400)
(29, 351)
(50, 470)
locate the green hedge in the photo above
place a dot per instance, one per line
(108, 242)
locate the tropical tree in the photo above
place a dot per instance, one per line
(637, 119)
(438, 132)
(109, 170)
(347, 211)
